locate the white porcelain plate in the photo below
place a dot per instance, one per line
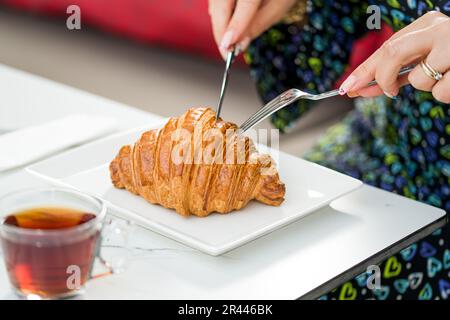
(308, 188)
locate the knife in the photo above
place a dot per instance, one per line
(229, 61)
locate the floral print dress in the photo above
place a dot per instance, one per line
(399, 145)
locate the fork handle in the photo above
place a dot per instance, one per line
(402, 72)
(334, 93)
(288, 97)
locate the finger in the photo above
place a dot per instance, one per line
(428, 19)
(398, 53)
(268, 15)
(420, 80)
(375, 90)
(363, 74)
(412, 47)
(365, 71)
(441, 90)
(244, 12)
(387, 61)
(220, 12)
(438, 60)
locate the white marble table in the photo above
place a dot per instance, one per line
(28, 99)
(302, 260)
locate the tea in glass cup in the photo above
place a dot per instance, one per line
(49, 239)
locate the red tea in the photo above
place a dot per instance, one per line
(41, 266)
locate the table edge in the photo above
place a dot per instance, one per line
(375, 259)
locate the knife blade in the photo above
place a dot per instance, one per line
(228, 63)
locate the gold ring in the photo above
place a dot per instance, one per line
(430, 71)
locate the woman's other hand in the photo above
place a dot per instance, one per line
(427, 38)
(237, 22)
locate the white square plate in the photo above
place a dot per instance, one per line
(308, 188)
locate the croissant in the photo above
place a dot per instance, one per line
(163, 167)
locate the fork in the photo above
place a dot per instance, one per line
(292, 95)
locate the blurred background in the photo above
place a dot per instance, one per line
(155, 55)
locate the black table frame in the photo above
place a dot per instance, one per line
(375, 259)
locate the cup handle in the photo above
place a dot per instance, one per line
(113, 248)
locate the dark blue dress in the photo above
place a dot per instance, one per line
(398, 145)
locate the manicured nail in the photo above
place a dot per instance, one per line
(223, 53)
(226, 40)
(347, 85)
(390, 95)
(243, 45)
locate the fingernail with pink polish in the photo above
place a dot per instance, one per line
(392, 96)
(347, 85)
(223, 53)
(243, 45)
(388, 94)
(226, 40)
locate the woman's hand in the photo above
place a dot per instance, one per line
(237, 22)
(427, 38)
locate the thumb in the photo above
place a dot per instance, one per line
(244, 13)
(268, 15)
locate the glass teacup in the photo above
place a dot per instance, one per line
(50, 239)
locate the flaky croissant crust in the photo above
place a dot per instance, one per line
(149, 168)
